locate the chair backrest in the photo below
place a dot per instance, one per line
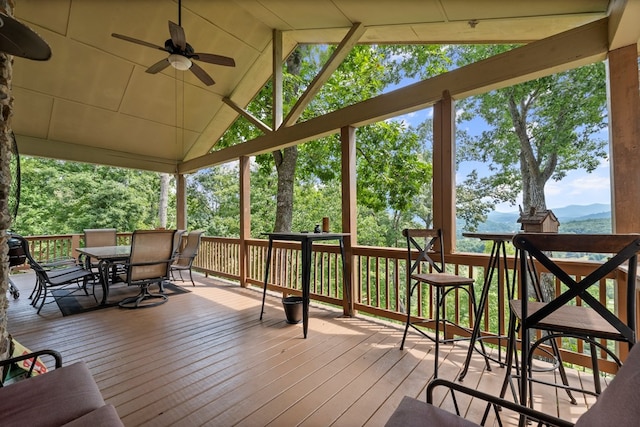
(428, 243)
(24, 245)
(177, 241)
(187, 255)
(151, 255)
(620, 249)
(94, 237)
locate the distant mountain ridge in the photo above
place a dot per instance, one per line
(508, 221)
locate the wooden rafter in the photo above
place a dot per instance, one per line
(247, 115)
(341, 52)
(573, 48)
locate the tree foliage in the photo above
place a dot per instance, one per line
(537, 130)
(549, 123)
(63, 197)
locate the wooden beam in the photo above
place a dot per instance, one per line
(349, 213)
(444, 182)
(32, 146)
(181, 202)
(573, 48)
(276, 78)
(341, 52)
(623, 23)
(245, 217)
(247, 115)
(624, 130)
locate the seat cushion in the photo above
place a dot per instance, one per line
(415, 413)
(104, 416)
(51, 399)
(619, 403)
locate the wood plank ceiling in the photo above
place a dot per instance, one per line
(93, 101)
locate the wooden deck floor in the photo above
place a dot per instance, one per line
(205, 358)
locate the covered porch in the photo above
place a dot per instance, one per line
(205, 358)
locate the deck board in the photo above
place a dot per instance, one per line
(205, 358)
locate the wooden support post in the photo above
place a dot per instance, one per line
(181, 202)
(349, 215)
(245, 218)
(624, 137)
(277, 79)
(444, 183)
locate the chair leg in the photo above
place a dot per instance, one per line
(138, 300)
(595, 368)
(44, 297)
(191, 277)
(408, 323)
(437, 350)
(34, 290)
(563, 373)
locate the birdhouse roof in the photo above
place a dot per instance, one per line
(537, 217)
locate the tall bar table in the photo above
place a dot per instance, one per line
(497, 262)
(306, 242)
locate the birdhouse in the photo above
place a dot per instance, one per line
(539, 221)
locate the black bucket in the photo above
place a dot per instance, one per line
(293, 309)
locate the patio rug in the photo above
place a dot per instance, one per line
(73, 301)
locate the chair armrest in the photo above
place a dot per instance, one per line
(4, 364)
(59, 262)
(494, 400)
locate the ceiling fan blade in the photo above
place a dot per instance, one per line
(158, 66)
(177, 35)
(141, 42)
(214, 59)
(201, 74)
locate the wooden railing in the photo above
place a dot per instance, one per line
(380, 287)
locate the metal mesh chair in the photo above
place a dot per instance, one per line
(151, 256)
(47, 279)
(185, 257)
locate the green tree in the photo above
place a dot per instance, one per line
(213, 201)
(388, 170)
(538, 130)
(64, 197)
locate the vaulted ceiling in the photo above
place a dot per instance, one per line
(94, 102)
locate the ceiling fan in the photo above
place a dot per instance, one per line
(181, 54)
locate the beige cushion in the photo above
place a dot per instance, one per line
(619, 403)
(415, 413)
(51, 399)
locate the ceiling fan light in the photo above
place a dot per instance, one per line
(179, 62)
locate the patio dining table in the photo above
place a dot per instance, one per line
(107, 256)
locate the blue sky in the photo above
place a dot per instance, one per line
(577, 188)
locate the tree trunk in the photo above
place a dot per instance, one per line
(6, 108)
(285, 161)
(164, 200)
(286, 167)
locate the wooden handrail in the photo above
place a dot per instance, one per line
(380, 288)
